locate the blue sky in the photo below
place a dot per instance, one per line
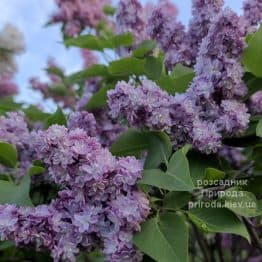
(30, 16)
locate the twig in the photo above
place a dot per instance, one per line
(202, 244)
(254, 236)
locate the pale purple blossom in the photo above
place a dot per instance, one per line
(255, 103)
(252, 14)
(203, 12)
(77, 15)
(98, 205)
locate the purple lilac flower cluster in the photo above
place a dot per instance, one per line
(76, 15)
(130, 17)
(170, 34)
(181, 46)
(14, 130)
(83, 120)
(255, 103)
(146, 105)
(203, 12)
(252, 14)
(218, 84)
(98, 205)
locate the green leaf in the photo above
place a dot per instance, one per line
(212, 174)
(178, 81)
(94, 256)
(178, 167)
(158, 178)
(127, 66)
(153, 67)
(164, 239)
(55, 71)
(254, 185)
(134, 142)
(122, 40)
(99, 99)
(36, 170)
(167, 84)
(242, 203)
(257, 156)
(176, 200)
(6, 244)
(182, 77)
(13, 194)
(85, 41)
(252, 56)
(92, 71)
(95, 43)
(130, 143)
(218, 220)
(34, 114)
(109, 10)
(198, 163)
(7, 104)
(159, 149)
(259, 128)
(144, 48)
(57, 118)
(253, 83)
(8, 154)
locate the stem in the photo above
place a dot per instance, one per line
(219, 247)
(202, 244)
(254, 236)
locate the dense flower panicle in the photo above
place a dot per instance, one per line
(163, 27)
(203, 12)
(98, 206)
(7, 86)
(218, 82)
(255, 103)
(145, 105)
(183, 114)
(107, 128)
(219, 54)
(83, 120)
(206, 136)
(234, 117)
(170, 34)
(225, 36)
(148, 106)
(131, 17)
(14, 130)
(77, 15)
(252, 14)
